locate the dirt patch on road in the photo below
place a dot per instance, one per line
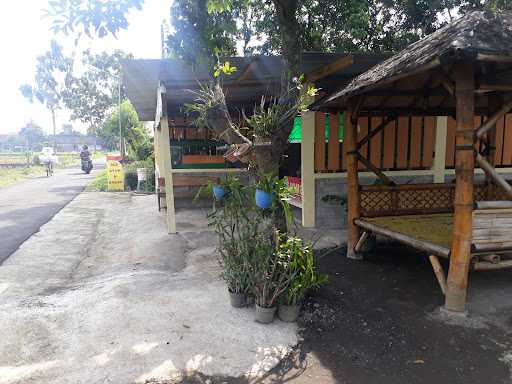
(375, 323)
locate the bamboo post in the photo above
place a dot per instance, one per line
(361, 241)
(439, 272)
(352, 181)
(456, 293)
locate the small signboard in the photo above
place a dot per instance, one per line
(115, 180)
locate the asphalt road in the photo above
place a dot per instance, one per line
(26, 206)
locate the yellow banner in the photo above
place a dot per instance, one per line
(115, 176)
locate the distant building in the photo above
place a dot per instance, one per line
(73, 142)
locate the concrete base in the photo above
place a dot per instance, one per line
(103, 294)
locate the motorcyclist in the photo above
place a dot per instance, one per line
(85, 155)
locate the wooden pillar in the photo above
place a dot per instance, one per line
(440, 149)
(464, 170)
(307, 153)
(352, 182)
(165, 161)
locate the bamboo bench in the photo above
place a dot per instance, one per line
(421, 216)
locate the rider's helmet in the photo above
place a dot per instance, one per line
(85, 147)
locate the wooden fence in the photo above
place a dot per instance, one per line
(405, 144)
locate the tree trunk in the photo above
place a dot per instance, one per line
(286, 11)
(54, 131)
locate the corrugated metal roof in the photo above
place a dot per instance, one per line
(245, 86)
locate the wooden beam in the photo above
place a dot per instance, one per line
(439, 272)
(446, 82)
(491, 172)
(353, 205)
(495, 87)
(491, 121)
(386, 180)
(495, 103)
(329, 69)
(486, 266)
(373, 132)
(422, 245)
(456, 293)
(250, 67)
(361, 241)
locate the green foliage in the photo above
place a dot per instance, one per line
(236, 224)
(330, 25)
(225, 68)
(133, 130)
(51, 78)
(130, 175)
(100, 17)
(250, 251)
(202, 30)
(298, 262)
(100, 182)
(93, 94)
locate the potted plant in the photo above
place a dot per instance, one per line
(303, 276)
(236, 227)
(218, 191)
(265, 191)
(271, 278)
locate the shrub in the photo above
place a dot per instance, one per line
(130, 175)
(36, 160)
(130, 180)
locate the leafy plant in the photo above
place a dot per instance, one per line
(300, 265)
(237, 226)
(268, 183)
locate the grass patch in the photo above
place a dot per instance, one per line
(10, 176)
(99, 183)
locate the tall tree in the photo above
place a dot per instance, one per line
(51, 78)
(93, 94)
(133, 131)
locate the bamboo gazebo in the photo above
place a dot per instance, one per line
(464, 71)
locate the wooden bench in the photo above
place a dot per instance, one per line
(183, 181)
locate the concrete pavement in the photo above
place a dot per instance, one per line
(102, 294)
(27, 205)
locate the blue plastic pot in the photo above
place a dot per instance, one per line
(264, 199)
(218, 192)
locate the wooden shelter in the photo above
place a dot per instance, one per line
(159, 90)
(463, 70)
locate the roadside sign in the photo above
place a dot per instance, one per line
(115, 173)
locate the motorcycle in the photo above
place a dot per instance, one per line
(87, 165)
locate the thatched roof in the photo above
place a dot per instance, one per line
(478, 35)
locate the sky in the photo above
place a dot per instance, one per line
(24, 35)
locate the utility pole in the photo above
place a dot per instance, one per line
(121, 146)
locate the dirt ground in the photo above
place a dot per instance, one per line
(378, 321)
